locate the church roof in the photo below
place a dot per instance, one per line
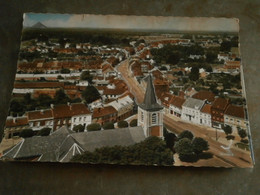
(150, 101)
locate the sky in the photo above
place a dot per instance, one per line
(133, 22)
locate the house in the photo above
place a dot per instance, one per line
(80, 115)
(39, 119)
(191, 110)
(176, 106)
(218, 109)
(234, 116)
(124, 106)
(165, 100)
(70, 115)
(205, 115)
(103, 115)
(14, 125)
(63, 144)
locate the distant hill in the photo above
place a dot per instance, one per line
(39, 25)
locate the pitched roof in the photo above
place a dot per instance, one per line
(206, 108)
(177, 101)
(13, 122)
(194, 103)
(236, 111)
(39, 114)
(204, 95)
(64, 111)
(220, 103)
(99, 112)
(121, 136)
(62, 147)
(150, 101)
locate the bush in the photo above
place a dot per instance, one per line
(133, 123)
(26, 133)
(229, 137)
(190, 157)
(94, 127)
(65, 71)
(199, 145)
(185, 134)
(122, 124)
(78, 128)
(245, 141)
(108, 125)
(227, 129)
(242, 133)
(44, 132)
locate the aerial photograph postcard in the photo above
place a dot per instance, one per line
(129, 90)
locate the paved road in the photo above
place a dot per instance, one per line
(133, 85)
(240, 158)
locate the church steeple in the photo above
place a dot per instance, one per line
(150, 101)
(150, 113)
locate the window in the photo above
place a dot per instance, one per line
(142, 116)
(74, 120)
(79, 118)
(85, 118)
(154, 118)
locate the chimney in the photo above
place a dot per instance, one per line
(41, 111)
(52, 106)
(14, 119)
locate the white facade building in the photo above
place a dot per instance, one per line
(191, 110)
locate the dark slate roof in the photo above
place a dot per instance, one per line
(150, 101)
(61, 146)
(97, 139)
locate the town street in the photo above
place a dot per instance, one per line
(131, 82)
(222, 157)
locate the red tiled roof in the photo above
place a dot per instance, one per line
(236, 111)
(34, 115)
(38, 84)
(99, 112)
(220, 103)
(206, 108)
(66, 111)
(204, 95)
(177, 101)
(21, 121)
(116, 91)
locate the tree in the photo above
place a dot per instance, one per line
(173, 58)
(64, 71)
(44, 132)
(133, 123)
(242, 133)
(90, 94)
(169, 138)
(194, 74)
(199, 145)
(79, 128)
(94, 127)
(225, 46)
(26, 133)
(122, 124)
(60, 97)
(86, 76)
(59, 77)
(185, 134)
(108, 125)
(211, 57)
(227, 129)
(183, 146)
(151, 151)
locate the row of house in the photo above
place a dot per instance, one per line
(204, 109)
(70, 115)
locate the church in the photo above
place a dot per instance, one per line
(150, 113)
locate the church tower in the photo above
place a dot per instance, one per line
(150, 113)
